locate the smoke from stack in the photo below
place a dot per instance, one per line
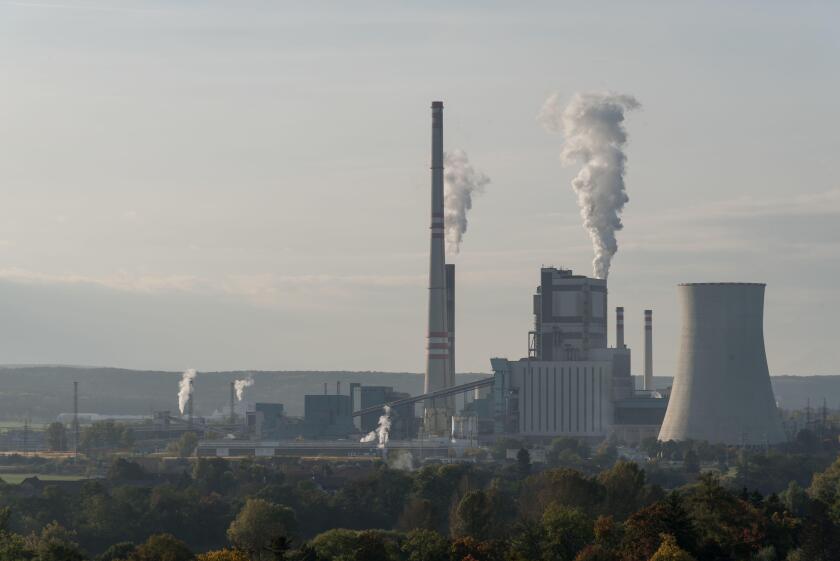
(382, 432)
(460, 182)
(185, 389)
(240, 385)
(592, 124)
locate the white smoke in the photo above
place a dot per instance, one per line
(382, 431)
(460, 182)
(185, 388)
(595, 136)
(240, 385)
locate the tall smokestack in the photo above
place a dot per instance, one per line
(450, 320)
(648, 350)
(619, 327)
(232, 401)
(75, 418)
(338, 387)
(436, 414)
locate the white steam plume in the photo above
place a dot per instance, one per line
(240, 385)
(185, 388)
(592, 124)
(460, 182)
(381, 432)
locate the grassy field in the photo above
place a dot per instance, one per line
(15, 478)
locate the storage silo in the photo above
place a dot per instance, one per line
(721, 391)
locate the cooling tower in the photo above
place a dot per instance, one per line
(721, 390)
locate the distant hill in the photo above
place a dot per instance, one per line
(42, 392)
(792, 392)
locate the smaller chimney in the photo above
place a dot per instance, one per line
(232, 400)
(619, 327)
(75, 418)
(325, 388)
(648, 350)
(338, 387)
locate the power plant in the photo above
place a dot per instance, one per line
(722, 391)
(570, 382)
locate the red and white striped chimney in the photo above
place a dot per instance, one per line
(649, 350)
(436, 415)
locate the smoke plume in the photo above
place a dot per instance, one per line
(460, 182)
(381, 432)
(592, 124)
(185, 388)
(240, 385)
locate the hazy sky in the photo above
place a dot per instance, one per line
(245, 184)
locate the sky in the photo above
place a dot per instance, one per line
(245, 185)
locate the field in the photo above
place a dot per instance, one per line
(16, 478)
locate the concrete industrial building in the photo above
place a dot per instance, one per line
(403, 420)
(721, 391)
(572, 383)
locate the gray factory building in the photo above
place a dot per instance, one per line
(570, 315)
(403, 420)
(571, 383)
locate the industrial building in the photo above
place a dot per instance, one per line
(404, 425)
(571, 383)
(722, 391)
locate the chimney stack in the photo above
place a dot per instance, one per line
(436, 413)
(450, 320)
(75, 418)
(325, 388)
(338, 387)
(619, 327)
(648, 350)
(232, 400)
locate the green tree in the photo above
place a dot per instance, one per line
(523, 462)
(126, 470)
(724, 521)
(106, 434)
(118, 551)
(425, 545)
(223, 555)
(691, 462)
(482, 515)
(595, 553)
(352, 545)
(259, 525)
(162, 547)
(562, 486)
(567, 532)
(643, 530)
(624, 488)
(795, 499)
(825, 487)
(55, 543)
(567, 452)
(57, 437)
(186, 445)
